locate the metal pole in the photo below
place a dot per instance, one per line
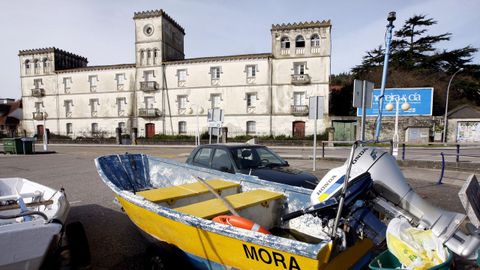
(458, 153)
(323, 149)
(315, 142)
(445, 123)
(198, 130)
(209, 135)
(45, 147)
(403, 151)
(395, 134)
(443, 169)
(364, 111)
(390, 26)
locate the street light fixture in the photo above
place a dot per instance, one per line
(198, 110)
(445, 123)
(396, 137)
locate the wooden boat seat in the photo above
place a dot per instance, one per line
(173, 193)
(214, 207)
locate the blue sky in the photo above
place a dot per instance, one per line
(103, 30)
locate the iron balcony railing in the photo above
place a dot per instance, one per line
(148, 86)
(300, 110)
(38, 92)
(300, 79)
(149, 112)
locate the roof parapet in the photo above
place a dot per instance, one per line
(290, 26)
(157, 13)
(50, 50)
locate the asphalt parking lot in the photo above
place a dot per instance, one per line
(115, 243)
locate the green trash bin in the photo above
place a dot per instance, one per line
(387, 260)
(18, 146)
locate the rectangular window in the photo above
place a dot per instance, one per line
(149, 102)
(182, 127)
(69, 128)
(94, 128)
(149, 75)
(182, 102)
(299, 68)
(299, 98)
(94, 106)
(251, 127)
(251, 99)
(182, 75)
(38, 107)
(215, 99)
(68, 108)
(121, 106)
(251, 71)
(215, 73)
(120, 78)
(93, 79)
(37, 83)
(67, 84)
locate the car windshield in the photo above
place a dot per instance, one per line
(255, 157)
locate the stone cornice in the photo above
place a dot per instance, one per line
(90, 68)
(50, 50)
(220, 58)
(157, 13)
(301, 25)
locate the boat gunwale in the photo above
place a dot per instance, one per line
(311, 251)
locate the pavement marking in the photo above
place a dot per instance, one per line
(75, 202)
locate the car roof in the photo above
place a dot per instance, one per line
(233, 145)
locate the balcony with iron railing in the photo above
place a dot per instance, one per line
(149, 112)
(299, 79)
(148, 86)
(38, 92)
(300, 110)
(39, 116)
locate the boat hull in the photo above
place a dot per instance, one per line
(210, 250)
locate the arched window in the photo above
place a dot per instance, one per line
(149, 56)
(27, 66)
(36, 66)
(45, 64)
(142, 56)
(285, 43)
(300, 42)
(315, 41)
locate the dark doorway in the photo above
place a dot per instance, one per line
(298, 129)
(149, 130)
(40, 130)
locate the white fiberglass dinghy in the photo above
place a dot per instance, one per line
(31, 217)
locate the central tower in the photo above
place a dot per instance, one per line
(158, 38)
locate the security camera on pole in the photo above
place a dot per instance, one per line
(388, 39)
(315, 112)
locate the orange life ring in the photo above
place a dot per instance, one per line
(240, 222)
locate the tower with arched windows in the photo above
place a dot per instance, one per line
(308, 39)
(158, 38)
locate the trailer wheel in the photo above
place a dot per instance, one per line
(78, 244)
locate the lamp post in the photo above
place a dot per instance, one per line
(198, 110)
(45, 137)
(396, 137)
(445, 123)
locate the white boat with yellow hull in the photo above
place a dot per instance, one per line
(164, 199)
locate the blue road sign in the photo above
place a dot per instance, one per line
(420, 100)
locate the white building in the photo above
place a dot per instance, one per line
(260, 94)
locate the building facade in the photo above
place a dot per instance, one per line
(162, 92)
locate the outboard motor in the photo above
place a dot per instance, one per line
(397, 199)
